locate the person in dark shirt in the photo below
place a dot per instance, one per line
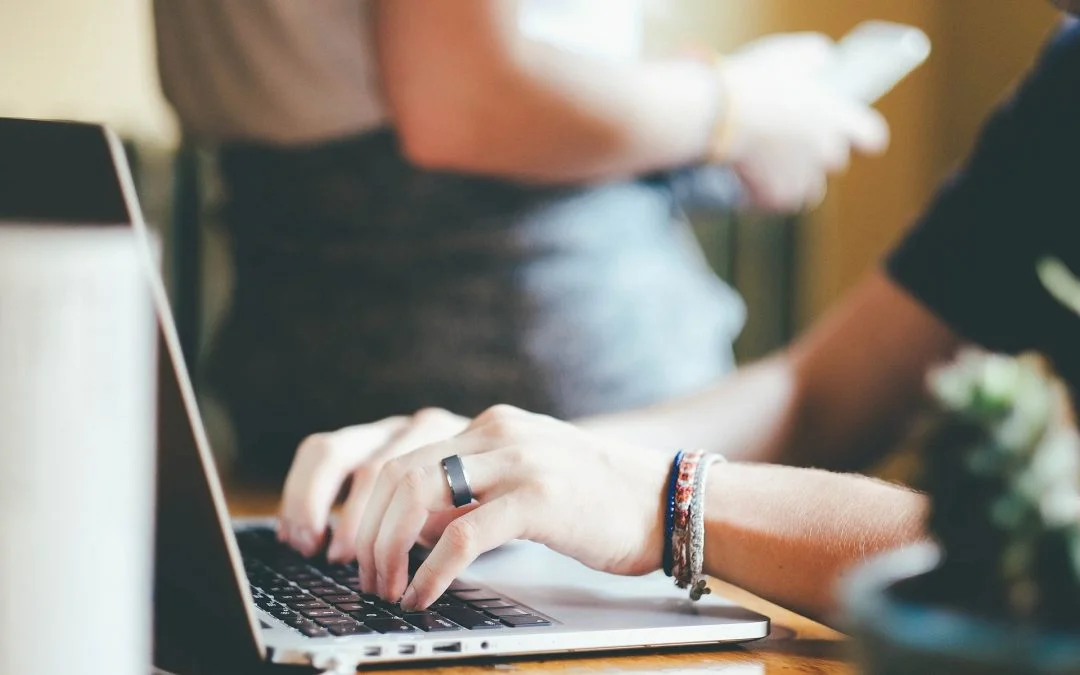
(993, 262)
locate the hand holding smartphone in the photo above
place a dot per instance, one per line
(874, 57)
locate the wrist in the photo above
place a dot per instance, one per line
(725, 116)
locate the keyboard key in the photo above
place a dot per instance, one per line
(313, 583)
(351, 606)
(389, 626)
(282, 612)
(323, 591)
(473, 596)
(371, 613)
(292, 596)
(429, 623)
(308, 603)
(456, 585)
(313, 630)
(289, 570)
(338, 599)
(468, 618)
(328, 621)
(524, 621)
(506, 611)
(489, 604)
(319, 612)
(305, 576)
(347, 629)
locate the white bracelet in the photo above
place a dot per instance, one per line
(696, 554)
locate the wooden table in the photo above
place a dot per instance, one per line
(796, 645)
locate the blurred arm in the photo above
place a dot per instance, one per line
(840, 394)
(469, 93)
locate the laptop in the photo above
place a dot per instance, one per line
(229, 598)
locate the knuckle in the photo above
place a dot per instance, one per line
(461, 535)
(503, 420)
(414, 482)
(517, 455)
(395, 469)
(426, 416)
(543, 489)
(502, 411)
(313, 444)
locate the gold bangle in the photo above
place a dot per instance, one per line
(723, 131)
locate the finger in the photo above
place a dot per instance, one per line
(420, 493)
(424, 427)
(322, 465)
(437, 522)
(341, 549)
(487, 527)
(867, 128)
(391, 475)
(834, 153)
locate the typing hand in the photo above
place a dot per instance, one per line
(533, 478)
(325, 462)
(789, 131)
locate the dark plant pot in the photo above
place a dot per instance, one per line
(896, 634)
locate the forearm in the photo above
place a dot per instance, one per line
(753, 415)
(788, 534)
(560, 118)
(842, 394)
(468, 92)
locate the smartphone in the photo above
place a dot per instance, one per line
(874, 57)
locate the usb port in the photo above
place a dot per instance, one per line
(447, 647)
(372, 651)
(406, 649)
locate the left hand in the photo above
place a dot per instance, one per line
(533, 478)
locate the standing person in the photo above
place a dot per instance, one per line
(459, 203)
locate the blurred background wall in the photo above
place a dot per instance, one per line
(82, 60)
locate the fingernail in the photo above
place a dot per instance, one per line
(408, 601)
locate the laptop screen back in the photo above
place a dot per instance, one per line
(58, 173)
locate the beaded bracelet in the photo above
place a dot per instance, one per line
(687, 534)
(680, 538)
(669, 514)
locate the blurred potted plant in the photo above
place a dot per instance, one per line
(1000, 590)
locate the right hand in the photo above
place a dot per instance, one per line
(325, 462)
(789, 130)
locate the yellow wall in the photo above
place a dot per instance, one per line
(980, 47)
(89, 61)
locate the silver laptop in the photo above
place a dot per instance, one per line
(229, 598)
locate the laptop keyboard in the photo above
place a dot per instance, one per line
(320, 599)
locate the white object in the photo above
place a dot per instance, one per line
(874, 57)
(77, 408)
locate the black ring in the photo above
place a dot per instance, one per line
(460, 491)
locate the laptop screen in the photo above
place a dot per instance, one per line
(40, 161)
